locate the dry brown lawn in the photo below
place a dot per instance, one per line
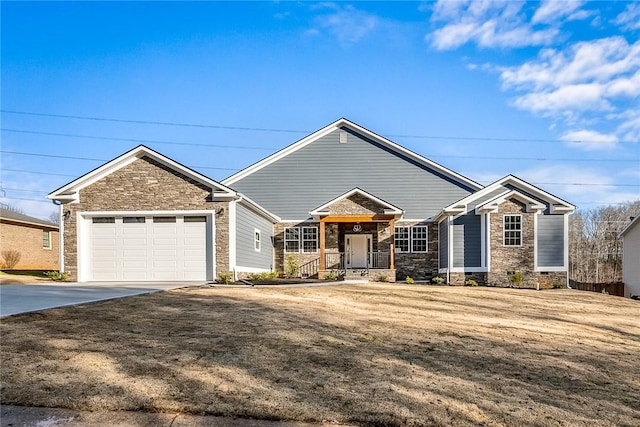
(21, 277)
(376, 354)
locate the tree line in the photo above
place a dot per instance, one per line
(595, 248)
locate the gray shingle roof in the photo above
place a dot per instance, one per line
(18, 217)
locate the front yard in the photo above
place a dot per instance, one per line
(375, 354)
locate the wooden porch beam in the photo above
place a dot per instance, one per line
(356, 218)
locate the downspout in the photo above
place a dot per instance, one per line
(60, 236)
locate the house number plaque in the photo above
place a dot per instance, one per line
(357, 228)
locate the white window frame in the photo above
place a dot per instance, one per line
(425, 238)
(518, 232)
(404, 239)
(302, 239)
(257, 240)
(297, 240)
(48, 234)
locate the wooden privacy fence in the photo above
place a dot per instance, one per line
(616, 289)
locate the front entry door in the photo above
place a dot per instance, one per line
(357, 250)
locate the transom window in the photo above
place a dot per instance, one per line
(411, 239)
(512, 230)
(301, 239)
(46, 239)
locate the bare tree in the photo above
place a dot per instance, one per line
(54, 217)
(595, 251)
(13, 208)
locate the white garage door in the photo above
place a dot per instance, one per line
(147, 248)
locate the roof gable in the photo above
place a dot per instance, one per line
(344, 123)
(70, 191)
(520, 189)
(356, 198)
(492, 205)
(634, 222)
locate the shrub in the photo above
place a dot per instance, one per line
(332, 275)
(516, 277)
(265, 275)
(470, 282)
(292, 267)
(10, 259)
(409, 280)
(56, 275)
(225, 278)
(382, 278)
(437, 280)
(559, 286)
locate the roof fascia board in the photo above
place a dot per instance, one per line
(282, 153)
(359, 129)
(394, 210)
(517, 182)
(258, 209)
(492, 205)
(629, 226)
(126, 159)
(40, 225)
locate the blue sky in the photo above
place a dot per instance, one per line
(484, 88)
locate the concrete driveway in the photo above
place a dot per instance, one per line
(16, 299)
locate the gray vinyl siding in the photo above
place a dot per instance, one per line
(466, 241)
(324, 169)
(246, 223)
(550, 240)
(443, 244)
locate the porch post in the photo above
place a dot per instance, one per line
(322, 260)
(392, 249)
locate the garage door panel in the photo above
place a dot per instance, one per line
(144, 249)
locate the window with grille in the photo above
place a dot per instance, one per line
(512, 230)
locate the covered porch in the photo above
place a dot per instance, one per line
(356, 236)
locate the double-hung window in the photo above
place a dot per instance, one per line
(46, 239)
(419, 238)
(512, 230)
(411, 239)
(401, 239)
(301, 239)
(256, 240)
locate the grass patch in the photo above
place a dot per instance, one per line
(16, 277)
(374, 354)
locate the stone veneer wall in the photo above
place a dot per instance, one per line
(419, 266)
(145, 185)
(507, 259)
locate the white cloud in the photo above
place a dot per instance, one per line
(586, 78)
(630, 18)
(504, 24)
(348, 24)
(590, 139)
(554, 10)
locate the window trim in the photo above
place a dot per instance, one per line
(257, 240)
(518, 231)
(49, 244)
(425, 238)
(396, 248)
(301, 240)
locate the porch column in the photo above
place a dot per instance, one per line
(392, 246)
(322, 260)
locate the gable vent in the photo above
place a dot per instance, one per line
(343, 137)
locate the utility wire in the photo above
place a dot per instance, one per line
(256, 129)
(534, 183)
(143, 141)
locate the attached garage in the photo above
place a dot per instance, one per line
(144, 217)
(149, 247)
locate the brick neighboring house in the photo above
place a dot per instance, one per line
(341, 200)
(36, 240)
